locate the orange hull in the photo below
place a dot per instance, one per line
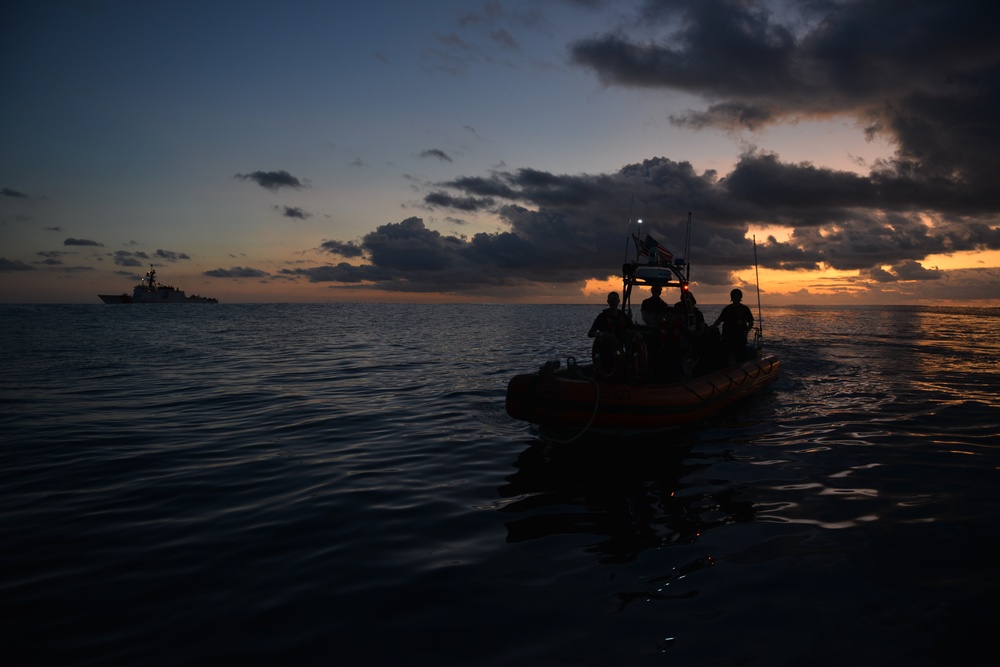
(564, 400)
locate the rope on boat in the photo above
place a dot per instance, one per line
(699, 396)
(733, 381)
(572, 366)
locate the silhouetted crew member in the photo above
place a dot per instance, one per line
(611, 320)
(688, 310)
(737, 321)
(654, 308)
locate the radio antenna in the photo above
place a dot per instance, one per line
(687, 250)
(628, 231)
(760, 320)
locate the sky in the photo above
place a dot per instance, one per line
(500, 151)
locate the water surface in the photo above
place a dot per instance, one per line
(340, 484)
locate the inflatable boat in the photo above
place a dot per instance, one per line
(667, 370)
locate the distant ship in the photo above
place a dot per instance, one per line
(150, 291)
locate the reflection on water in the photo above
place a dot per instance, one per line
(339, 484)
(633, 498)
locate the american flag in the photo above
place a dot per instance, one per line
(644, 247)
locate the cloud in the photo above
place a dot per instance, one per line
(272, 180)
(15, 194)
(52, 257)
(407, 256)
(14, 265)
(348, 249)
(565, 229)
(341, 273)
(129, 258)
(868, 61)
(237, 272)
(170, 255)
(86, 242)
(445, 200)
(293, 212)
(438, 153)
(907, 270)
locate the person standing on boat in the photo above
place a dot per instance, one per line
(611, 320)
(654, 308)
(687, 309)
(737, 321)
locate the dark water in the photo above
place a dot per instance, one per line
(340, 485)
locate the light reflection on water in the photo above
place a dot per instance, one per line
(277, 483)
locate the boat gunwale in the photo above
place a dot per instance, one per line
(562, 403)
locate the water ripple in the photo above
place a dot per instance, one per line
(287, 483)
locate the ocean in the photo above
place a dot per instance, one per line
(341, 485)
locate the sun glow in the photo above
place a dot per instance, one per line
(600, 288)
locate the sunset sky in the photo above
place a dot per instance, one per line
(454, 150)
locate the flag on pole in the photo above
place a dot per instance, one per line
(645, 247)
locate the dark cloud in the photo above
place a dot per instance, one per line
(72, 241)
(10, 192)
(908, 270)
(129, 258)
(569, 228)
(407, 256)
(924, 74)
(437, 153)
(921, 74)
(272, 180)
(237, 272)
(341, 273)
(445, 200)
(14, 265)
(170, 255)
(348, 249)
(293, 212)
(52, 257)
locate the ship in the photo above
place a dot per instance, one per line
(150, 291)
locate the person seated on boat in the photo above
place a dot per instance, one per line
(611, 320)
(737, 321)
(654, 308)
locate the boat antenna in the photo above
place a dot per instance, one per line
(760, 320)
(628, 231)
(687, 250)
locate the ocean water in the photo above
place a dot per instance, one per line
(340, 485)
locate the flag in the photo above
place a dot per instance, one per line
(643, 248)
